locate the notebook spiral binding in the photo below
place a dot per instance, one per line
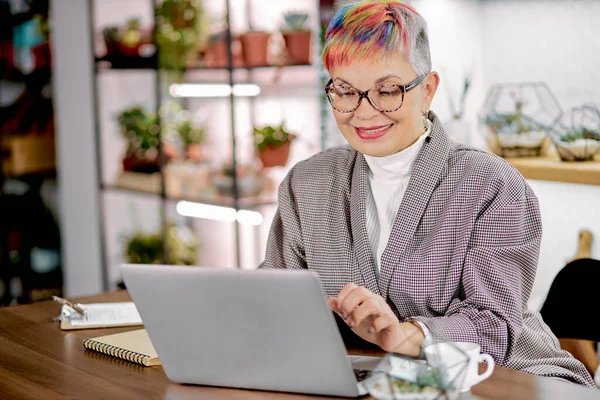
(116, 352)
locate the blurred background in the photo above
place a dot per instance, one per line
(158, 131)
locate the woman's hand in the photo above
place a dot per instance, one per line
(371, 318)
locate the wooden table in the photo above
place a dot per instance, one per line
(39, 361)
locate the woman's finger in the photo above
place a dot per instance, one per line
(354, 299)
(369, 308)
(333, 304)
(346, 290)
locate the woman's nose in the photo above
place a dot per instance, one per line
(365, 110)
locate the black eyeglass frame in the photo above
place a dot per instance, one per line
(365, 94)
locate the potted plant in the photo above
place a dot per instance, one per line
(577, 135)
(110, 34)
(273, 145)
(142, 133)
(458, 128)
(148, 248)
(181, 29)
(191, 138)
(217, 52)
(298, 39)
(144, 248)
(255, 45)
(516, 135)
(130, 41)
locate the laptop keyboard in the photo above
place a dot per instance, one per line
(361, 374)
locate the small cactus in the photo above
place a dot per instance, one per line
(295, 21)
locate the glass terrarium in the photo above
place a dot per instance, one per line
(517, 117)
(440, 373)
(577, 134)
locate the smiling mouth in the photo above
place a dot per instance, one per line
(372, 132)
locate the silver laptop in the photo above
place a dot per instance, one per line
(267, 330)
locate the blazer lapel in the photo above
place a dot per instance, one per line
(427, 172)
(358, 219)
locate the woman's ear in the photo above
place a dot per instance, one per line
(430, 85)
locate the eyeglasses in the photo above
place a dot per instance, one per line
(384, 98)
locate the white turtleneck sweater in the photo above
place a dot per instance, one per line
(388, 179)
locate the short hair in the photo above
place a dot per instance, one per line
(376, 29)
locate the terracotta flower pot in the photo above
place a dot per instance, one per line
(275, 156)
(299, 46)
(217, 54)
(195, 152)
(254, 48)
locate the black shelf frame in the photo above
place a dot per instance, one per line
(245, 203)
(104, 64)
(149, 63)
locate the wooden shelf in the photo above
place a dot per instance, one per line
(550, 168)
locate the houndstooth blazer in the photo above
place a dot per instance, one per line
(461, 257)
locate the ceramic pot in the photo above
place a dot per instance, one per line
(275, 156)
(255, 48)
(299, 46)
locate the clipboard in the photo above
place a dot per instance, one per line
(100, 315)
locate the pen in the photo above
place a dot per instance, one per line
(76, 307)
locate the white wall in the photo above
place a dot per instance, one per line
(566, 208)
(455, 28)
(555, 42)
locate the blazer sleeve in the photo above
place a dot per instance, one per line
(284, 245)
(498, 274)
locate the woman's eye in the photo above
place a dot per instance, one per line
(345, 92)
(389, 92)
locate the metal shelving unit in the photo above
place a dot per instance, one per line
(156, 185)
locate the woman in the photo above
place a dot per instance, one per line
(414, 237)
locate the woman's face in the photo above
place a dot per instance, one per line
(377, 133)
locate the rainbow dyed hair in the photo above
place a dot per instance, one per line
(376, 29)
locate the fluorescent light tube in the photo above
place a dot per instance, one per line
(218, 213)
(213, 90)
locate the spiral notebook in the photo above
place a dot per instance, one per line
(134, 346)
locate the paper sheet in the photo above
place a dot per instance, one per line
(106, 314)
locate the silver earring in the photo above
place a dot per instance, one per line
(425, 119)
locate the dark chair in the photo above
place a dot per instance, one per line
(570, 309)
